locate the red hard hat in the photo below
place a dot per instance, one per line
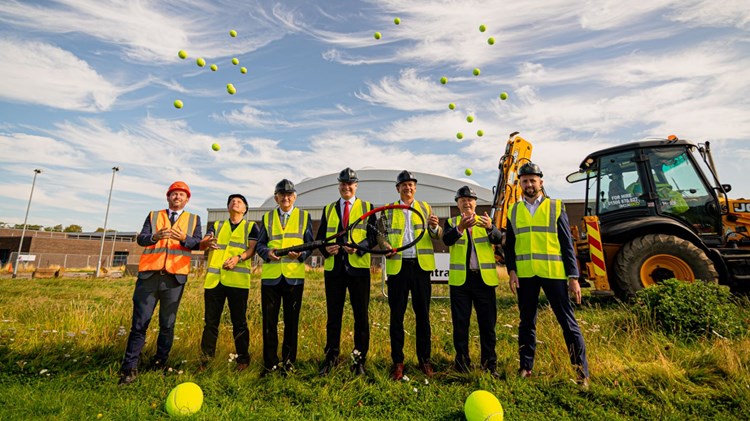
(179, 185)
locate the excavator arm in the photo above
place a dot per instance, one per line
(508, 189)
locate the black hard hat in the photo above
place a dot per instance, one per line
(405, 176)
(241, 197)
(530, 168)
(465, 191)
(348, 175)
(284, 186)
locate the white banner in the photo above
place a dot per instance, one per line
(442, 266)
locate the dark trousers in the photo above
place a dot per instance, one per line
(168, 292)
(214, 299)
(556, 291)
(412, 279)
(482, 296)
(359, 296)
(272, 298)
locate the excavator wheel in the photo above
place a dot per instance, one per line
(648, 260)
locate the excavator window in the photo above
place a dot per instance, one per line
(619, 184)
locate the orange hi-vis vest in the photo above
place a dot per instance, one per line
(167, 254)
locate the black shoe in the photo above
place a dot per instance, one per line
(156, 365)
(493, 372)
(358, 369)
(326, 367)
(128, 376)
(287, 368)
(268, 371)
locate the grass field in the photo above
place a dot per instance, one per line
(61, 342)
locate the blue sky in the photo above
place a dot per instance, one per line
(89, 84)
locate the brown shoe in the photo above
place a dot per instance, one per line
(426, 368)
(583, 382)
(397, 371)
(242, 367)
(128, 376)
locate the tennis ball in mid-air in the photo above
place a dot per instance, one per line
(482, 405)
(233, 33)
(467, 171)
(482, 28)
(182, 54)
(397, 21)
(443, 80)
(214, 67)
(503, 96)
(452, 106)
(177, 103)
(476, 71)
(459, 135)
(216, 147)
(231, 89)
(200, 62)
(235, 61)
(243, 70)
(377, 35)
(491, 40)
(480, 133)
(185, 399)
(470, 118)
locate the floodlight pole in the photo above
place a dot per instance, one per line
(106, 215)
(25, 218)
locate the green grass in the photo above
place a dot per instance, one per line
(61, 342)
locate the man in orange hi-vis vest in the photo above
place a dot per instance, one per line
(168, 236)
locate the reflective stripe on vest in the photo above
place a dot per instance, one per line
(425, 251)
(230, 244)
(537, 245)
(357, 235)
(279, 237)
(485, 257)
(167, 254)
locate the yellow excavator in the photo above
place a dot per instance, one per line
(653, 210)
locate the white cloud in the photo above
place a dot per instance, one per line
(410, 92)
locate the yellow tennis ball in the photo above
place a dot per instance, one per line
(491, 40)
(503, 96)
(243, 70)
(470, 118)
(235, 61)
(482, 28)
(214, 67)
(467, 171)
(480, 133)
(460, 135)
(377, 35)
(216, 147)
(200, 62)
(177, 103)
(185, 399)
(482, 405)
(476, 71)
(232, 33)
(443, 80)
(231, 89)
(397, 21)
(182, 54)
(452, 106)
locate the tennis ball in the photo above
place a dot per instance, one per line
(480, 133)
(216, 147)
(177, 103)
(452, 106)
(482, 28)
(185, 399)
(482, 405)
(243, 70)
(397, 21)
(503, 96)
(467, 171)
(476, 71)
(231, 89)
(491, 40)
(200, 62)
(214, 67)
(443, 80)
(460, 135)
(469, 118)
(233, 33)
(377, 35)
(182, 54)
(235, 61)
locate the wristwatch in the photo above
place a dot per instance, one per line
(239, 256)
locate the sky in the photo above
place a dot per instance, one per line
(87, 85)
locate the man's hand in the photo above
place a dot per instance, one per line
(467, 220)
(349, 250)
(161, 234)
(574, 289)
(433, 221)
(294, 255)
(272, 255)
(209, 242)
(513, 281)
(230, 263)
(176, 234)
(391, 253)
(332, 249)
(486, 221)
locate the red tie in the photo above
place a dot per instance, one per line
(346, 213)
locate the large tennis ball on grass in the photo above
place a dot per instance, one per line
(185, 399)
(482, 405)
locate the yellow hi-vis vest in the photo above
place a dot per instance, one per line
(231, 243)
(485, 256)
(359, 208)
(425, 252)
(537, 246)
(168, 254)
(278, 238)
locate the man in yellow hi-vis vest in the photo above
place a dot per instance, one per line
(346, 268)
(539, 254)
(472, 279)
(282, 278)
(409, 271)
(232, 245)
(168, 236)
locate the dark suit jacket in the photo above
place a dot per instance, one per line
(341, 264)
(145, 238)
